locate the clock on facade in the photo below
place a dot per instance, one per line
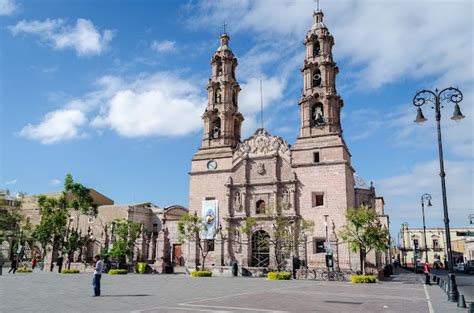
(212, 165)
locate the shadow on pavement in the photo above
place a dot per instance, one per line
(125, 296)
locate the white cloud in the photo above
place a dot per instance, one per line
(163, 46)
(55, 182)
(7, 7)
(402, 192)
(11, 182)
(56, 126)
(384, 41)
(83, 37)
(157, 105)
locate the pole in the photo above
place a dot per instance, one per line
(424, 228)
(452, 288)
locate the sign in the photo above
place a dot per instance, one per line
(210, 216)
(465, 233)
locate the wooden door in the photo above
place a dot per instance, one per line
(177, 255)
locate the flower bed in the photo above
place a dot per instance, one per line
(118, 272)
(201, 274)
(361, 279)
(279, 275)
(73, 271)
(24, 270)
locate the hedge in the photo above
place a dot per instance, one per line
(73, 271)
(361, 279)
(141, 267)
(24, 270)
(279, 275)
(201, 274)
(118, 272)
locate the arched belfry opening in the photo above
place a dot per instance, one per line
(316, 79)
(260, 249)
(316, 48)
(216, 128)
(317, 115)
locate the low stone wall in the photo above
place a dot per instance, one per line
(323, 274)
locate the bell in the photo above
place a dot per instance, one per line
(419, 117)
(429, 203)
(457, 115)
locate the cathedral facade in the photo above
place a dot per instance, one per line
(263, 176)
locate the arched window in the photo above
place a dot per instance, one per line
(316, 78)
(316, 48)
(317, 115)
(260, 207)
(216, 128)
(219, 68)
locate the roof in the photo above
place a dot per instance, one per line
(359, 182)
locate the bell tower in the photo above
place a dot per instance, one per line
(320, 105)
(222, 119)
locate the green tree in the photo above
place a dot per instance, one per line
(53, 223)
(78, 197)
(126, 233)
(364, 232)
(190, 228)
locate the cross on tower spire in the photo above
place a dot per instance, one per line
(317, 4)
(224, 25)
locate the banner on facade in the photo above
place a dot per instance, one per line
(210, 215)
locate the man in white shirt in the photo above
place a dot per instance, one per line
(99, 266)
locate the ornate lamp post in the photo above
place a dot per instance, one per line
(446, 95)
(425, 197)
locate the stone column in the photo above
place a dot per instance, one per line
(245, 209)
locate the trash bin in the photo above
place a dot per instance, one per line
(235, 269)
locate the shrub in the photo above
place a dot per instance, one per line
(24, 270)
(201, 274)
(279, 275)
(118, 272)
(141, 267)
(361, 279)
(73, 271)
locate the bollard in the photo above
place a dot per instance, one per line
(461, 302)
(441, 285)
(434, 277)
(471, 307)
(446, 287)
(437, 280)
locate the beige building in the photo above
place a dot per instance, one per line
(158, 241)
(462, 246)
(313, 179)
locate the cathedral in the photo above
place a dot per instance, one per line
(263, 176)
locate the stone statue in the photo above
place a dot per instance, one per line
(218, 96)
(285, 199)
(237, 201)
(216, 132)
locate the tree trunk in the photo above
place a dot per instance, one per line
(362, 261)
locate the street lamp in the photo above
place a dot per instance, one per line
(425, 197)
(446, 95)
(326, 226)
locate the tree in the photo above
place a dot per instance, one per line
(364, 232)
(53, 223)
(127, 233)
(78, 197)
(190, 228)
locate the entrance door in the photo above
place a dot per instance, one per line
(260, 249)
(177, 255)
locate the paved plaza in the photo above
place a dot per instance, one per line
(52, 292)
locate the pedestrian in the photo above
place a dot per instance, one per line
(34, 262)
(426, 270)
(2, 261)
(14, 265)
(99, 266)
(59, 263)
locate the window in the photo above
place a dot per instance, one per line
(317, 115)
(260, 207)
(316, 157)
(208, 245)
(318, 199)
(436, 245)
(316, 48)
(91, 219)
(318, 245)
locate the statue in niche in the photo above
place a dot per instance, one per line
(218, 95)
(261, 168)
(237, 201)
(216, 132)
(285, 199)
(219, 69)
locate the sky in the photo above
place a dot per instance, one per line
(113, 92)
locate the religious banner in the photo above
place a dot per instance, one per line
(210, 215)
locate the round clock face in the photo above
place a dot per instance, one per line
(212, 165)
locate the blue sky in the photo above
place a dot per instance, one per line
(112, 92)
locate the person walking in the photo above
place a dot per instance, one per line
(59, 263)
(2, 261)
(99, 266)
(14, 265)
(426, 270)
(34, 262)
